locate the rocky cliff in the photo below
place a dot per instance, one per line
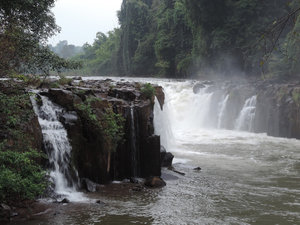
(136, 155)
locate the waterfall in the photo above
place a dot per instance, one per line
(133, 142)
(57, 146)
(222, 107)
(246, 117)
(187, 113)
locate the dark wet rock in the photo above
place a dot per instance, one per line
(88, 185)
(64, 201)
(128, 94)
(99, 202)
(197, 169)
(176, 171)
(77, 78)
(134, 180)
(165, 157)
(154, 182)
(64, 98)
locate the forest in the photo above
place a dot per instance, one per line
(161, 38)
(188, 38)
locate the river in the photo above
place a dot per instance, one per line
(246, 178)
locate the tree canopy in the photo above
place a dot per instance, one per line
(25, 26)
(184, 38)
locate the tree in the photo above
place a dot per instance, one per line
(25, 26)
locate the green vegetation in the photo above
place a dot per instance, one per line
(25, 27)
(64, 50)
(87, 111)
(148, 91)
(113, 130)
(21, 176)
(185, 38)
(106, 122)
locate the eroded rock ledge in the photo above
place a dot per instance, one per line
(139, 153)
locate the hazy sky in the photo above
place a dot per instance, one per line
(80, 20)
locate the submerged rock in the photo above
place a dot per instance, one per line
(154, 182)
(166, 158)
(64, 201)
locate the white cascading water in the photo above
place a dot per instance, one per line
(222, 106)
(246, 117)
(58, 149)
(189, 116)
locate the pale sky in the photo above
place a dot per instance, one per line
(80, 20)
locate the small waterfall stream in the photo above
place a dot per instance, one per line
(246, 117)
(57, 146)
(222, 106)
(133, 143)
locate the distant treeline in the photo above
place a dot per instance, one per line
(184, 38)
(64, 50)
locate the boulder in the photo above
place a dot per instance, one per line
(128, 94)
(64, 98)
(166, 158)
(88, 185)
(64, 201)
(5, 213)
(154, 182)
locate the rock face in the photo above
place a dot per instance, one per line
(166, 158)
(138, 155)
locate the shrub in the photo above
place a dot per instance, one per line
(148, 91)
(64, 80)
(108, 123)
(20, 175)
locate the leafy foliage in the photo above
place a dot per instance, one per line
(21, 176)
(25, 26)
(184, 38)
(109, 123)
(148, 91)
(113, 129)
